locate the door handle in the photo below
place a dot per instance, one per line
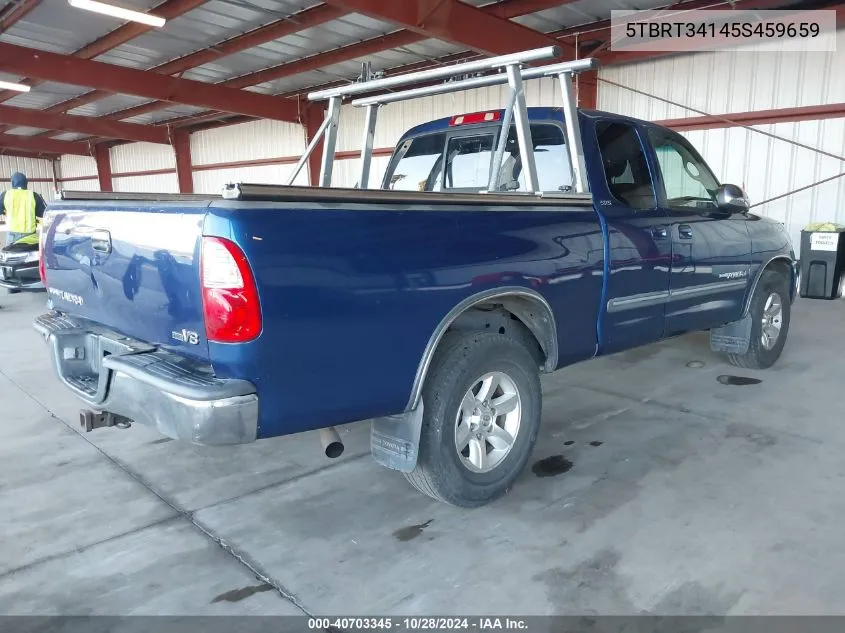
(685, 232)
(659, 232)
(101, 241)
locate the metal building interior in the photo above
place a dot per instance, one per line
(680, 495)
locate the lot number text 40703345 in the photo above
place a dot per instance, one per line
(420, 623)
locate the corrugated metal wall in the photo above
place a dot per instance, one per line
(211, 181)
(89, 184)
(255, 140)
(71, 166)
(36, 169)
(758, 78)
(133, 157)
(151, 183)
(718, 82)
(247, 141)
(139, 157)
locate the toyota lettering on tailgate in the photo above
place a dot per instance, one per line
(69, 297)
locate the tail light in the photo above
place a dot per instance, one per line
(42, 238)
(230, 301)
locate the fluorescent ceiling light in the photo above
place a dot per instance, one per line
(118, 12)
(6, 85)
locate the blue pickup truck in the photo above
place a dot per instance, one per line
(427, 307)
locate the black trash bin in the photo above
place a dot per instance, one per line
(822, 261)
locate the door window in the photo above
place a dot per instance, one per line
(625, 165)
(688, 181)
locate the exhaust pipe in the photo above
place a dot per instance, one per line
(331, 443)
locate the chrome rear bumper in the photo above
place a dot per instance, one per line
(174, 394)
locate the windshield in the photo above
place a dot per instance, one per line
(687, 179)
(417, 164)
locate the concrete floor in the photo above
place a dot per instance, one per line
(685, 496)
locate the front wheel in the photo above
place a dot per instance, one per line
(770, 312)
(481, 416)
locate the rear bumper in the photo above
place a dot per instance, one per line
(173, 394)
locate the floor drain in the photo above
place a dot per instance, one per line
(695, 364)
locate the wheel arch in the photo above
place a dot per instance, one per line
(528, 306)
(782, 262)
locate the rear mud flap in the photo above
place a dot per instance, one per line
(395, 440)
(733, 338)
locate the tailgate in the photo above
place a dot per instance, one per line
(134, 270)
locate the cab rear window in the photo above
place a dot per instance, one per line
(426, 163)
(419, 165)
(554, 171)
(468, 161)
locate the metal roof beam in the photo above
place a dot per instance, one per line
(758, 117)
(48, 145)
(452, 21)
(297, 22)
(15, 12)
(16, 153)
(84, 125)
(93, 74)
(169, 9)
(397, 39)
(515, 8)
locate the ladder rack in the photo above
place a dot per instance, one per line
(516, 111)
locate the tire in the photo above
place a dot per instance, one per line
(448, 474)
(760, 354)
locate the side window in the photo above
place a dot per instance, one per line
(554, 172)
(625, 165)
(468, 161)
(688, 181)
(419, 164)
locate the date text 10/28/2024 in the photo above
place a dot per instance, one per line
(420, 623)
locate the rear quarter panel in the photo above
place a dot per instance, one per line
(351, 295)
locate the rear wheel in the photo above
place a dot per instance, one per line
(482, 412)
(770, 314)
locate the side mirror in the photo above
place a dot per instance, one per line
(731, 198)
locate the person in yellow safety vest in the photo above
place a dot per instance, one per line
(21, 207)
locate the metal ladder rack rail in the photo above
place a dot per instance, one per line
(516, 110)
